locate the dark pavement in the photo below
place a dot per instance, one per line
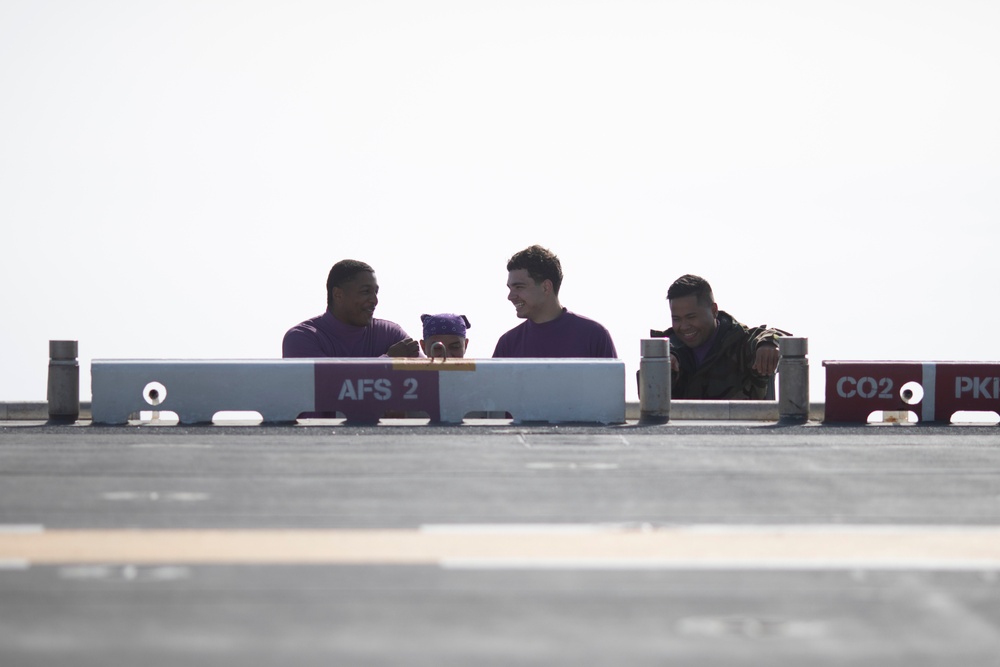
(840, 598)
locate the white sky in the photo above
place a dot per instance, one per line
(177, 178)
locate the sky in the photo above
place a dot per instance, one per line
(177, 178)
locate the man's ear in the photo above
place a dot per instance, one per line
(715, 310)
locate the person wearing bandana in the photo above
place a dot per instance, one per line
(444, 335)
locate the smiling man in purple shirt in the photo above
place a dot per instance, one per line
(534, 276)
(348, 328)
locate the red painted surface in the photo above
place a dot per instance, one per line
(967, 386)
(365, 390)
(855, 389)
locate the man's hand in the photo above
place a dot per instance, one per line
(405, 348)
(675, 366)
(766, 360)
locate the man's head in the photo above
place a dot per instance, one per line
(540, 263)
(448, 330)
(534, 277)
(693, 310)
(352, 292)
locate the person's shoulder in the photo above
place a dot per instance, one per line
(303, 339)
(520, 326)
(583, 320)
(728, 322)
(306, 326)
(514, 332)
(736, 333)
(387, 325)
(509, 341)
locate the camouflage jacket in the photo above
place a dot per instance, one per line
(726, 372)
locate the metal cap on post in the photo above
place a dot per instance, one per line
(64, 381)
(654, 381)
(793, 381)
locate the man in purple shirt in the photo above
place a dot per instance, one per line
(348, 328)
(534, 276)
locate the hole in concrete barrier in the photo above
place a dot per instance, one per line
(911, 393)
(237, 416)
(975, 417)
(154, 393)
(487, 414)
(321, 415)
(893, 417)
(159, 416)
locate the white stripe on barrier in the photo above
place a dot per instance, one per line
(929, 382)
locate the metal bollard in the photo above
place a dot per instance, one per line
(654, 381)
(64, 381)
(793, 381)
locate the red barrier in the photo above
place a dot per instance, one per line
(933, 390)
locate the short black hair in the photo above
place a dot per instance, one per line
(342, 272)
(689, 284)
(540, 263)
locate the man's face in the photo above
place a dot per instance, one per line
(694, 323)
(354, 302)
(454, 346)
(529, 298)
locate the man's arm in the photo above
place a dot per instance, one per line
(606, 346)
(766, 359)
(404, 348)
(764, 342)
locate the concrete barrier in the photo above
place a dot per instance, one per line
(933, 390)
(363, 390)
(682, 411)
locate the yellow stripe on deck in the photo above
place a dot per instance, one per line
(704, 546)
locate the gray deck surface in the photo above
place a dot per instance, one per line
(404, 477)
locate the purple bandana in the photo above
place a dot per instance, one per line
(445, 324)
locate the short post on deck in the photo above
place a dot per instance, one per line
(793, 381)
(654, 381)
(64, 381)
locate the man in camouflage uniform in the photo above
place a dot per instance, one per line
(713, 356)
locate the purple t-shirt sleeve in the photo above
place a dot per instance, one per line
(607, 346)
(500, 350)
(299, 343)
(387, 335)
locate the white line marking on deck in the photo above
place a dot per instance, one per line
(170, 496)
(529, 546)
(561, 465)
(530, 528)
(169, 445)
(21, 528)
(734, 564)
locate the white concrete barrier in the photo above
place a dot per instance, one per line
(363, 390)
